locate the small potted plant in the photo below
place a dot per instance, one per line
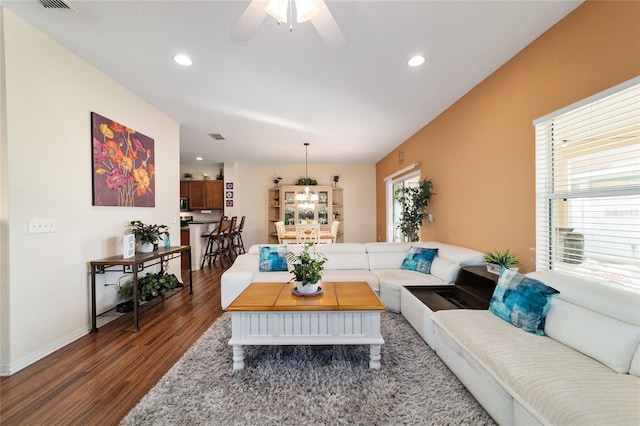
(147, 236)
(496, 259)
(307, 269)
(188, 176)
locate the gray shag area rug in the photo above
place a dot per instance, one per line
(310, 385)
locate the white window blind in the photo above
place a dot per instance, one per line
(588, 187)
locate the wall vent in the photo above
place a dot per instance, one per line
(54, 4)
(217, 136)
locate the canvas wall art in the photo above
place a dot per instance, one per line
(123, 165)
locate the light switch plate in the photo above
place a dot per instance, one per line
(38, 226)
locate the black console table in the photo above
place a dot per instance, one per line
(132, 265)
(473, 290)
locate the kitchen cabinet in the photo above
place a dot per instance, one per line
(204, 194)
(184, 188)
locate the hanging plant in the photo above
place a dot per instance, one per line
(414, 201)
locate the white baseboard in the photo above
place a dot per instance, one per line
(14, 367)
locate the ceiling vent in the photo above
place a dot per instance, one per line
(217, 136)
(54, 4)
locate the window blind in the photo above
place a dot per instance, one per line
(588, 187)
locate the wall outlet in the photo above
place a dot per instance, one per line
(38, 226)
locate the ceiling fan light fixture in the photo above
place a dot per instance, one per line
(306, 10)
(278, 9)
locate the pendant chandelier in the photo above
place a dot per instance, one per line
(306, 198)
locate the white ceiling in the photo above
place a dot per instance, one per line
(270, 94)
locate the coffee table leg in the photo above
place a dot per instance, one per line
(238, 357)
(374, 356)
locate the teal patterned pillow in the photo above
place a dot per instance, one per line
(273, 258)
(419, 259)
(522, 301)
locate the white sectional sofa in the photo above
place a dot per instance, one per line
(584, 371)
(379, 264)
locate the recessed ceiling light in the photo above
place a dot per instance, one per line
(183, 60)
(416, 61)
(199, 158)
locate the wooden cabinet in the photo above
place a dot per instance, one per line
(214, 194)
(204, 194)
(323, 209)
(184, 188)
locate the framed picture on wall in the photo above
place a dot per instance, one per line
(229, 185)
(123, 172)
(229, 194)
(229, 203)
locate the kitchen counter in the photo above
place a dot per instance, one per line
(197, 242)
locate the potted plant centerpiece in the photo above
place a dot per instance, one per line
(414, 201)
(496, 259)
(147, 236)
(307, 269)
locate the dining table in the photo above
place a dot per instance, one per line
(324, 237)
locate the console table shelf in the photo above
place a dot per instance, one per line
(132, 265)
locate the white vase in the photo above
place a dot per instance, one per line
(307, 289)
(145, 247)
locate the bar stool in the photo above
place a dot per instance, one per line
(215, 243)
(229, 253)
(238, 244)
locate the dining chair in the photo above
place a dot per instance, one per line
(335, 225)
(280, 230)
(308, 233)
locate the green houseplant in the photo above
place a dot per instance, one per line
(148, 235)
(307, 268)
(152, 285)
(496, 259)
(414, 201)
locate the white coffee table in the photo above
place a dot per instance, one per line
(346, 313)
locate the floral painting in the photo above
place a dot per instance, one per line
(123, 165)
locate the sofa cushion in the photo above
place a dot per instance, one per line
(522, 301)
(350, 275)
(387, 255)
(579, 328)
(419, 259)
(273, 258)
(556, 383)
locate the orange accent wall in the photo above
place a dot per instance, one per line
(480, 151)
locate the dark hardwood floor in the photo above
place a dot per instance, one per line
(98, 378)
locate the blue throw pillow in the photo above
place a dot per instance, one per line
(522, 301)
(273, 258)
(419, 259)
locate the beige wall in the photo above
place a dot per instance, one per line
(480, 152)
(251, 182)
(46, 159)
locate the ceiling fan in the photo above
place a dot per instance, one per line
(315, 11)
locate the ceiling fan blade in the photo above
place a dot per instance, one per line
(328, 28)
(250, 20)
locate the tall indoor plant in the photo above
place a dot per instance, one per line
(414, 201)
